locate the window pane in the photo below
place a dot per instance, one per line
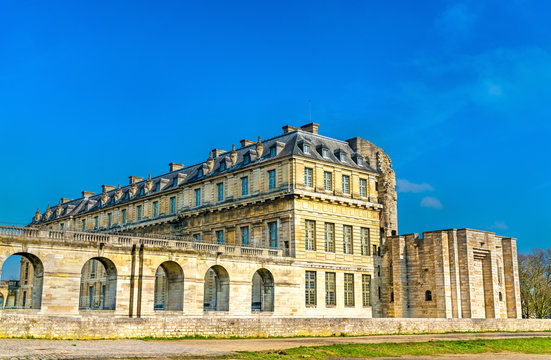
(363, 187)
(327, 181)
(245, 235)
(347, 239)
(310, 288)
(308, 177)
(330, 289)
(309, 235)
(366, 290)
(365, 241)
(329, 237)
(272, 179)
(346, 184)
(272, 233)
(244, 186)
(348, 289)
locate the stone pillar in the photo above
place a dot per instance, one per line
(399, 276)
(512, 286)
(466, 260)
(442, 293)
(454, 274)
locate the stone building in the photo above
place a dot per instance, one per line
(319, 208)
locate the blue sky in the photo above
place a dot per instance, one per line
(457, 93)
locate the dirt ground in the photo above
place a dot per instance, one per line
(109, 349)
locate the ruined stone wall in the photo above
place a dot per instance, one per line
(469, 274)
(93, 327)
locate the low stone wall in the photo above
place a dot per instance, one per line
(90, 327)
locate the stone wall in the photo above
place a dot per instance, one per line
(88, 327)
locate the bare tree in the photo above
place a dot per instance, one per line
(535, 284)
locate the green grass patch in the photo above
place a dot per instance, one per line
(536, 345)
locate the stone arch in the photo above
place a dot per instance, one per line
(262, 298)
(169, 287)
(217, 289)
(25, 293)
(98, 285)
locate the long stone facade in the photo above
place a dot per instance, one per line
(296, 226)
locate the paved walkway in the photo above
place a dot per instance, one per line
(103, 349)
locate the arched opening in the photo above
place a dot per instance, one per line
(217, 289)
(428, 295)
(22, 279)
(169, 287)
(263, 291)
(98, 285)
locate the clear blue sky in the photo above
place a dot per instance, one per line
(457, 93)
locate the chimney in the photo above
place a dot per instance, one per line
(175, 166)
(312, 128)
(87, 194)
(217, 152)
(289, 128)
(135, 179)
(65, 200)
(246, 142)
(106, 188)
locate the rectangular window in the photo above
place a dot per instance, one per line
(139, 212)
(308, 177)
(346, 184)
(347, 239)
(173, 205)
(62, 226)
(220, 236)
(197, 237)
(325, 153)
(310, 235)
(271, 179)
(245, 235)
(310, 288)
(109, 220)
(96, 222)
(220, 188)
(272, 233)
(244, 186)
(223, 165)
(155, 208)
(327, 181)
(330, 289)
(306, 148)
(247, 159)
(342, 157)
(363, 187)
(84, 225)
(348, 289)
(273, 151)
(124, 216)
(366, 290)
(329, 237)
(197, 197)
(365, 241)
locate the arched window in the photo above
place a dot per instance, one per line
(23, 274)
(428, 295)
(217, 289)
(262, 291)
(169, 287)
(98, 285)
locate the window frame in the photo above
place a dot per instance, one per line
(349, 300)
(310, 239)
(365, 241)
(310, 288)
(329, 241)
(330, 289)
(347, 240)
(366, 290)
(272, 181)
(363, 187)
(308, 177)
(328, 181)
(346, 184)
(244, 186)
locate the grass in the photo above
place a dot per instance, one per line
(534, 345)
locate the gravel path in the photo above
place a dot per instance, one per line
(108, 349)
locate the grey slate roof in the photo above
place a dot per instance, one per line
(292, 145)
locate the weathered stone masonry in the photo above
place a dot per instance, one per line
(296, 226)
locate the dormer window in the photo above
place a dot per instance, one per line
(273, 151)
(325, 153)
(306, 149)
(199, 172)
(223, 166)
(360, 161)
(175, 182)
(247, 158)
(342, 157)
